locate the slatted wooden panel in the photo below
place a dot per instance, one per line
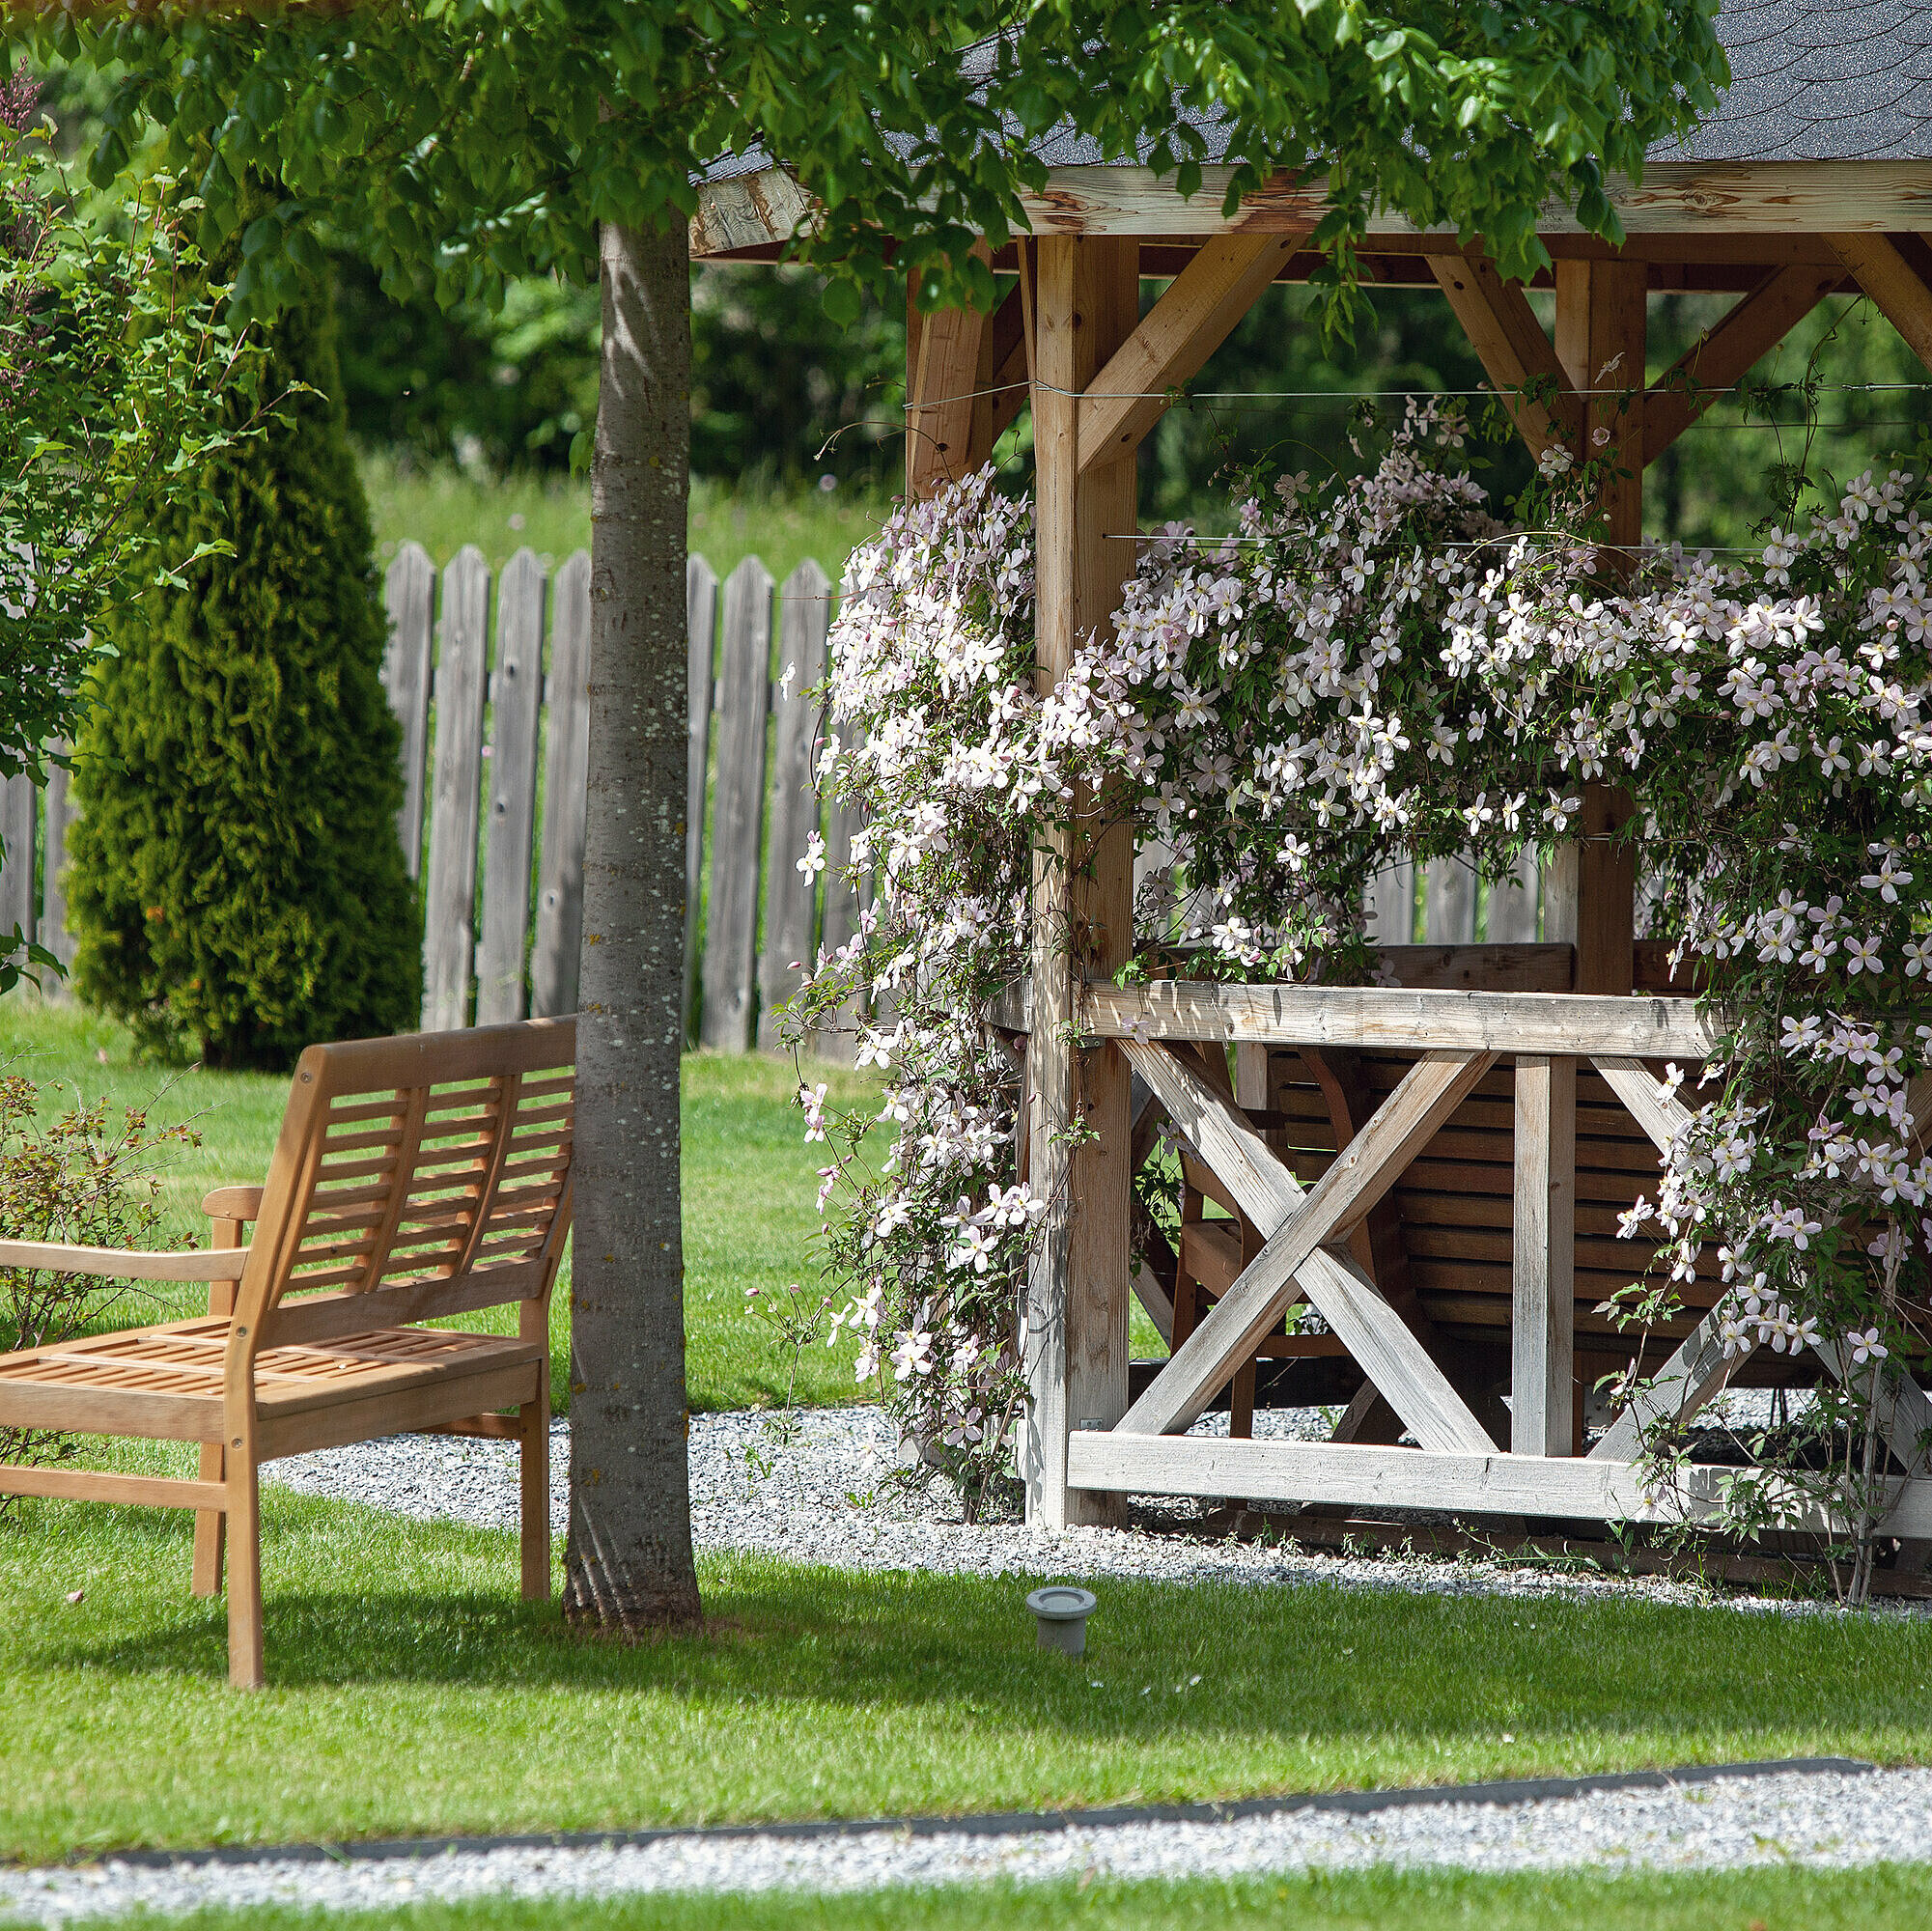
(410, 592)
(516, 702)
(738, 814)
(449, 902)
(790, 896)
(701, 651)
(553, 958)
(19, 810)
(1456, 1202)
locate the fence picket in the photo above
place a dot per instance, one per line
(1391, 905)
(449, 904)
(700, 640)
(790, 896)
(1513, 904)
(553, 958)
(410, 594)
(59, 814)
(19, 807)
(738, 819)
(516, 708)
(1449, 918)
(843, 821)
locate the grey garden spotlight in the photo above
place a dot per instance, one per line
(1063, 1611)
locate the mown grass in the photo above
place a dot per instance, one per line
(442, 509)
(410, 1692)
(1756, 1900)
(748, 1180)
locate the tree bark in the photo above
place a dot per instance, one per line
(628, 1565)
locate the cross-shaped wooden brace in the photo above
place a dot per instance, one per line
(1304, 1230)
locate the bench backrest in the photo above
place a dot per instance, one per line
(416, 1177)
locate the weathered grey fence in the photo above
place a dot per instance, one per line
(488, 682)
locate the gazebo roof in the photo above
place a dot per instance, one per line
(1827, 125)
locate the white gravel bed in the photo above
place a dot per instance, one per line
(1825, 1820)
(822, 1494)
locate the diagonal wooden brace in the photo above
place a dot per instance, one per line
(1299, 1228)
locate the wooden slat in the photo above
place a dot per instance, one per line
(1195, 315)
(1509, 340)
(1378, 1017)
(409, 595)
(1721, 357)
(449, 897)
(1383, 1346)
(1391, 905)
(553, 960)
(804, 615)
(738, 819)
(1543, 1301)
(1892, 284)
(517, 702)
(1512, 909)
(87, 1485)
(1494, 1484)
(19, 809)
(1450, 903)
(59, 816)
(700, 646)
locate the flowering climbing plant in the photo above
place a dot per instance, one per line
(1385, 667)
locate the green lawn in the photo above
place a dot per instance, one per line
(1760, 1900)
(412, 1692)
(443, 509)
(750, 1184)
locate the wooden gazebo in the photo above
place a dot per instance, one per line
(1435, 1168)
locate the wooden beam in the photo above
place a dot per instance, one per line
(1655, 1109)
(1190, 320)
(1775, 200)
(1720, 358)
(1296, 1222)
(1408, 1478)
(1894, 285)
(1543, 1257)
(1503, 330)
(944, 364)
(1083, 300)
(1388, 1017)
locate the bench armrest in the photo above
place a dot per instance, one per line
(125, 1263)
(232, 1203)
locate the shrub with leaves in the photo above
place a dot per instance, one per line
(82, 1180)
(117, 378)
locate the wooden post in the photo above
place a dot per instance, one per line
(1085, 305)
(1589, 897)
(1543, 1256)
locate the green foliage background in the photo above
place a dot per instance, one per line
(236, 880)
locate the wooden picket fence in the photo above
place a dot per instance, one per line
(488, 680)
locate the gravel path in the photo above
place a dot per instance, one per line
(825, 1497)
(1829, 1820)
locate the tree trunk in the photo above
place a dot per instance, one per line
(628, 1567)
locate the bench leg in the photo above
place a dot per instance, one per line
(244, 1575)
(210, 1528)
(534, 1458)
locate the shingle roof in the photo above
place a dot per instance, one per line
(1812, 80)
(1820, 80)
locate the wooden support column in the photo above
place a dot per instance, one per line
(1590, 896)
(1085, 304)
(1542, 1275)
(951, 357)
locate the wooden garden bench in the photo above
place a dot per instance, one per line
(414, 1178)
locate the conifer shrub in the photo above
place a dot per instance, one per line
(237, 886)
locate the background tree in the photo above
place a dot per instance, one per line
(236, 885)
(116, 375)
(460, 145)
